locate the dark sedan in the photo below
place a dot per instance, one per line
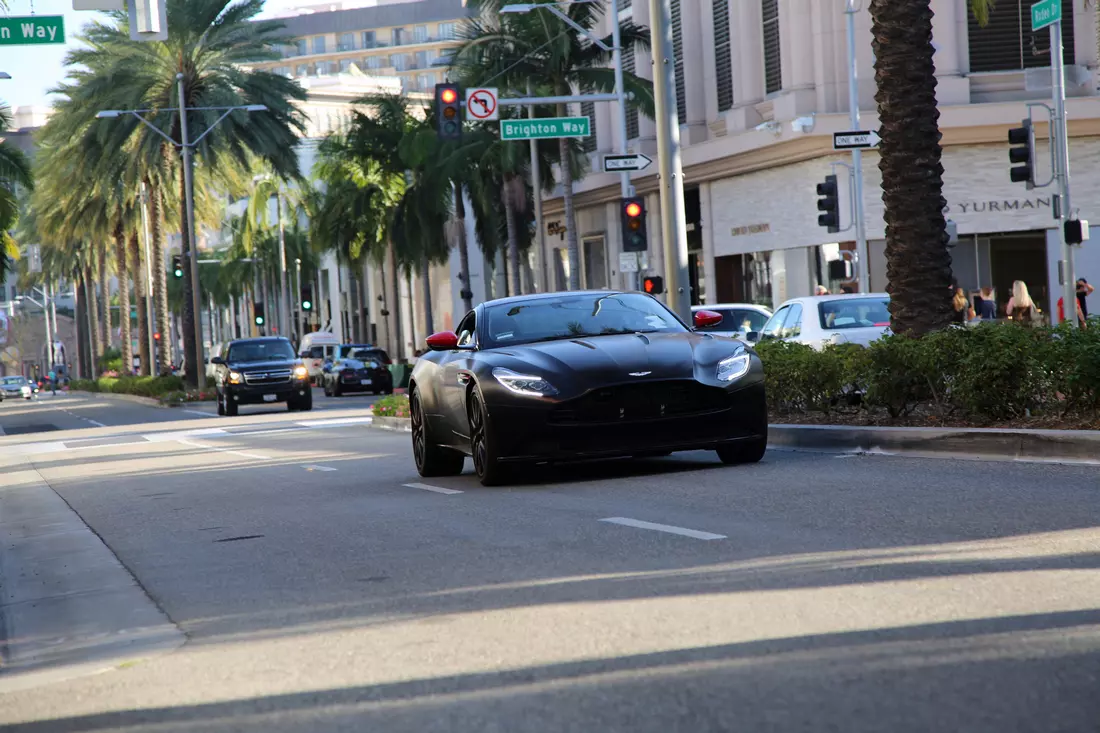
(364, 370)
(577, 376)
(260, 371)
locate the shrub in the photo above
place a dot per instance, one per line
(141, 386)
(182, 397)
(392, 406)
(801, 378)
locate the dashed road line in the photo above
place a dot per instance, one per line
(199, 412)
(436, 489)
(319, 468)
(670, 529)
(215, 449)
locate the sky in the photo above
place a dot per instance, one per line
(36, 69)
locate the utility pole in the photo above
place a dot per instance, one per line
(189, 201)
(626, 190)
(1061, 168)
(284, 294)
(673, 224)
(864, 271)
(542, 277)
(150, 300)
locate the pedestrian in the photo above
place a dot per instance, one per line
(53, 382)
(1021, 309)
(987, 305)
(963, 311)
(1083, 291)
(821, 290)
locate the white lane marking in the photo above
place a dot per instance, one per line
(177, 434)
(222, 450)
(335, 422)
(264, 432)
(627, 522)
(318, 468)
(436, 489)
(93, 422)
(199, 412)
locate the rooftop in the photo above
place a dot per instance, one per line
(378, 16)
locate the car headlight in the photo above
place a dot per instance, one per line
(733, 368)
(234, 377)
(524, 384)
(301, 372)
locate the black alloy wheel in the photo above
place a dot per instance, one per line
(431, 460)
(486, 463)
(221, 404)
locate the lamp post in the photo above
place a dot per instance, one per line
(187, 149)
(301, 306)
(284, 292)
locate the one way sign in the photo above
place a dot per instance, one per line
(855, 139)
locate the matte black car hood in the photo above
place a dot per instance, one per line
(621, 358)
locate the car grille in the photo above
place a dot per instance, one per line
(644, 401)
(267, 376)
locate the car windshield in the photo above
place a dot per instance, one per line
(14, 380)
(739, 319)
(260, 351)
(317, 352)
(855, 313)
(351, 364)
(376, 355)
(576, 316)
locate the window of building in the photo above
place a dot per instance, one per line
(678, 58)
(1007, 43)
(346, 42)
(281, 70)
(302, 70)
(322, 68)
(345, 65)
(624, 4)
(446, 31)
(399, 61)
(723, 64)
(421, 59)
(588, 109)
(318, 44)
(773, 68)
(373, 62)
(369, 40)
(301, 47)
(431, 56)
(420, 33)
(631, 110)
(425, 82)
(397, 35)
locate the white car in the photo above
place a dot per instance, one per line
(738, 319)
(821, 320)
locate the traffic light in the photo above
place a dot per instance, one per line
(828, 203)
(654, 285)
(633, 220)
(177, 266)
(258, 312)
(1021, 153)
(307, 298)
(448, 112)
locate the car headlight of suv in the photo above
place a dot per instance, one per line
(234, 377)
(301, 372)
(525, 384)
(734, 367)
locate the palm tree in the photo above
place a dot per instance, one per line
(918, 264)
(514, 48)
(15, 172)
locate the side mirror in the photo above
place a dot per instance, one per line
(443, 341)
(752, 337)
(706, 319)
(217, 360)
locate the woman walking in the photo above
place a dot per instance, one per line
(1021, 309)
(963, 310)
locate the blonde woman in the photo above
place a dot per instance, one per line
(1021, 308)
(963, 310)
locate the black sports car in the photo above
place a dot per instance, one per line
(582, 375)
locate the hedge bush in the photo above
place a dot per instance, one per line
(392, 406)
(141, 386)
(997, 371)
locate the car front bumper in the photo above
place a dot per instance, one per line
(254, 394)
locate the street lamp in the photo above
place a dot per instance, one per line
(187, 150)
(4, 75)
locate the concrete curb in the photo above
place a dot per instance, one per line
(1048, 446)
(399, 424)
(68, 607)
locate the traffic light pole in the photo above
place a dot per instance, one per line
(626, 190)
(857, 154)
(1061, 171)
(198, 367)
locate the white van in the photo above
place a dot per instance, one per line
(314, 349)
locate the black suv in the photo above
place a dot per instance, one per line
(260, 371)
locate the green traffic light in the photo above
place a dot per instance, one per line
(259, 320)
(179, 272)
(306, 305)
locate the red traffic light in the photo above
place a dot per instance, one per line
(653, 285)
(448, 96)
(633, 209)
(156, 336)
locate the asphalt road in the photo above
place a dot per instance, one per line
(322, 586)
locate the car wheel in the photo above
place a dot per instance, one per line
(431, 459)
(221, 404)
(231, 407)
(483, 444)
(336, 391)
(745, 451)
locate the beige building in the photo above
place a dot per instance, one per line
(763, 84)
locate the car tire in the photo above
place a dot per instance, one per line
(431, 459)
(231, 407)
(221, 405)
(745, 451)
(490, 471)
(304, 404)
(336, 391)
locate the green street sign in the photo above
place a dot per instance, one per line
(544, 127)
(30, 30)
(1047, 12)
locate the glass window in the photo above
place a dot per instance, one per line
(773, 68)
(430, 55)
(421, 59)
(399, 61)
(397, 35)
(739, 320)
(854, 313)
(425, 81)
(345, 65)
(281, 70)
(375, 355)
(420, 34)
(374, 62)
(467, 331)
(302, 70)
(772, 328)
(252, 351)
(301, 46)
(792, 326)
(570, 316)
(446, 31)
(369, 39)
(346, 42)
(318, 44)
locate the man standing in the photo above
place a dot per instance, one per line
(1083, 291)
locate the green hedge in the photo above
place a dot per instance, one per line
(141, 386)
(995, 371)
(392, 406)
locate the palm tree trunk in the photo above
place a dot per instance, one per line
(104, 303)
(142, 304)
(918, 264)
(123, 273)
(570, 217)
(82, 336)
(426, 289)
(191, 358)
(395, 305)
(160, 281)
(510, 216)
(90, 310)
(463, 252)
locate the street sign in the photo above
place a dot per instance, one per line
(633, 162)
(628, 262)
(481, 104)
(1047, 12)
(544, 127)
(31, 30)
(855, 139)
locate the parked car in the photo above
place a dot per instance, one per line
(738, 319)
(260, 371)
(363, 370)
(315, 349)
(578, 376)
(16, 387)
(821, 320)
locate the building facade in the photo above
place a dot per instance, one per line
(763, 84)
